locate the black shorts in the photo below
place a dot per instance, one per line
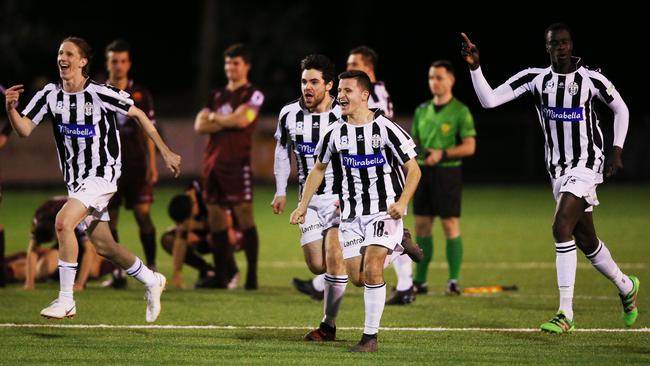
(439, 192)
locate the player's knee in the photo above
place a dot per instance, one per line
(423, 229)
(316, 266)
(63, 224)
(373, 275)
(562, 229)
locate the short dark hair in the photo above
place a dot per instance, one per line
(321, 63)
(446, 64)
(118, 45)
(557, 27)
(84, 49)
(238, 50)
(369, 55)
(362, 78)
(180, 208)
(43, 232)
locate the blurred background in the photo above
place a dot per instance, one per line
(177, 53)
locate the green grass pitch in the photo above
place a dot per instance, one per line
(507, 237)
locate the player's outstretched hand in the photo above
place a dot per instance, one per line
(469, 51)
(298, 216)
(278, 204)
(614, 161)
(396, 210)
(11, 96)
(173, 162)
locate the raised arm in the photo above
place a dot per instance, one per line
(488, 97)
(172, 160)
(21, 124)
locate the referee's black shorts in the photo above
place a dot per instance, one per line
(439, 192)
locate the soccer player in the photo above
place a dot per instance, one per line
(364, 58)
(564, 94)
(139, 171)
(370, 149)
(229, 119)
(188, 240)
(84, 117)
(443, 129)
(301, 125)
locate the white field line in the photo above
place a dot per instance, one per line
(470, 265)
(256, 327)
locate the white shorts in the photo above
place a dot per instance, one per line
(94, 193)
(322, 214)
(376, 229)
(581, 182)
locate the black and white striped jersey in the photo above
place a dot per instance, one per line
(85, 129)
(300, 130)
(371, 156)
(380, 99)
(565, 107)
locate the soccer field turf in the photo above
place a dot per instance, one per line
(507, 238)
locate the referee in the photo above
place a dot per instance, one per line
(443, 128)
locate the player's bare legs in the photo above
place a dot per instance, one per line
(222, 251)
(374, 296)
(102, 238)
(244, 213)
(424, 238)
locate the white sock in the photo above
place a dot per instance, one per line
(565, 264)
(404, 269)
(601, 258)
(334, 290)
(67, 272)
(319, 282)
(142, 273)
(374, 297)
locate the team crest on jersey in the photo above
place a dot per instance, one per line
(344, 142)
(445, 128)
(573, 88)
(88, 109)
(549, 86)
(59, 105)
(375, 141)
(300, 125)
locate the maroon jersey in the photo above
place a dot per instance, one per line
(232, 145)
(133, 138)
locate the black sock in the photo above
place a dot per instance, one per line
(222, 254)
(366, 337)
(195, 260)
(327, 327)
(3, 278)
(251, 247)
(148, 241)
